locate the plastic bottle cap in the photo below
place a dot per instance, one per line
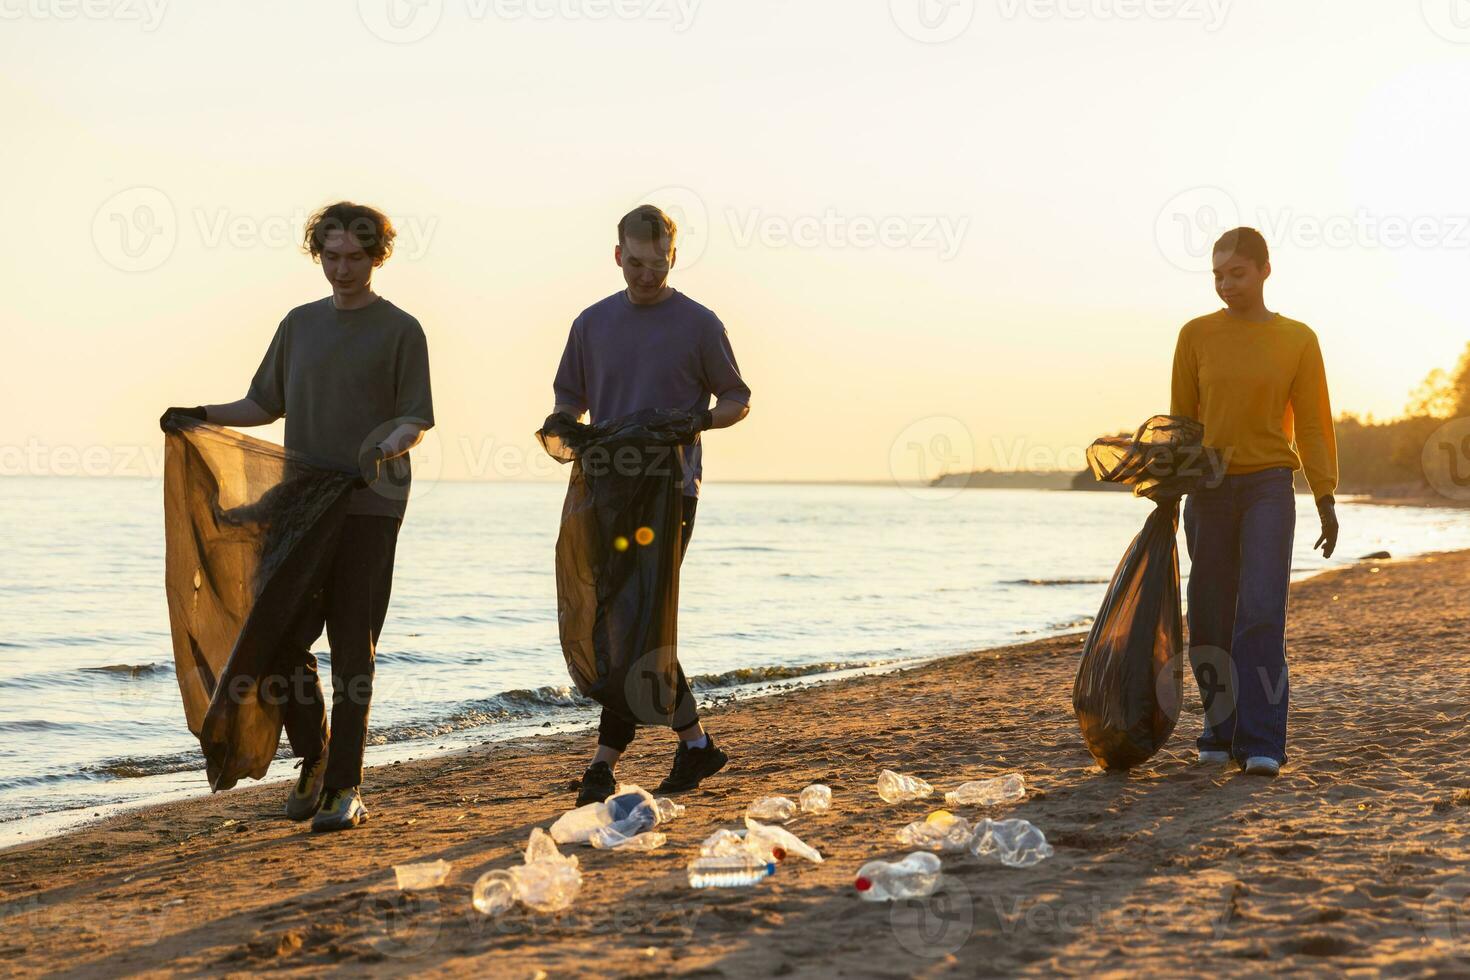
(779, 853)
(862, 884)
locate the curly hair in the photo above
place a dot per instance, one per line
(371, 227)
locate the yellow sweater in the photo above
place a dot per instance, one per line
(1261, 392)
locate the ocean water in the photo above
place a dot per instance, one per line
(783, 585)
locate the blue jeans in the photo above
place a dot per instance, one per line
(1239, 536)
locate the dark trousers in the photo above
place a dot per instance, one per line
(352, 605)
(1240, 536)
(616, 732)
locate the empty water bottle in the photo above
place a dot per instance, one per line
(816, 798)
(494, 892)
(940, 831)
(898, 788)
(914, 877)
(988, 792)
(733, 871)
(577, 826)
(1017, 843)
(777, 843)
(640, 819)
(772, 808)
(668, 809)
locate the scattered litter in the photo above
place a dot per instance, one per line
(733, 871)
(630, 811)
(1018, 843)
(897, 788)
(772, 808)
(723, 843)
(548, 881)
(609, 839)
(988, 792)
(816, 798)
(914, 877)
(668, 809)
(413, 877)
(940, 831)
(777, 843)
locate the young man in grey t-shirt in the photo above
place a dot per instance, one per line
(650, 346)
(350, 374)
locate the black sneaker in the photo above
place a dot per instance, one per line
(597, 784)
(691, 766)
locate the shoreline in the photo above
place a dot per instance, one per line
(1351, 858)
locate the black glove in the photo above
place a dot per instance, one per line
(1327, 511)
(706, 420)
(370, 465)
(197, 412)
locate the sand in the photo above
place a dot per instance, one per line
(1355, 858)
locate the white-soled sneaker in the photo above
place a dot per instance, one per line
(341, 809)
(1262, 765)
(1213, 757)
(306, 795)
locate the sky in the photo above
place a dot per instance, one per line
(942, 234)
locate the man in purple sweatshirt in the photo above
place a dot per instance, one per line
(650, 346)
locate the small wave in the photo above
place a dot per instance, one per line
(507, 706)
(134, 767)
(132, 670)
(1056, 581)
(758, 675)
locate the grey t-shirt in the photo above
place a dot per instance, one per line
(345, 379)
(622, 358)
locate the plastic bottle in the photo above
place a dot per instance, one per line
(777, 809)
(668, 809)
(940, 831)
(898, 788)
(988, 792)
(609, 839)
(494, 892)
(734, 871)
(914, 877)
(576, 826)
(1018, 843)
(777, 843)
(816, 798)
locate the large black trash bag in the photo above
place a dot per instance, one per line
(249, 533)
(617, 559)
(1130, 683)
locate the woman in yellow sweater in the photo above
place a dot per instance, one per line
(1255, 379)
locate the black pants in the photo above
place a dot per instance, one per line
(352, 604)
(616, 732)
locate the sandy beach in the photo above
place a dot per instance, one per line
(1355, 858)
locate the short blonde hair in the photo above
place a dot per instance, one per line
(647, 224)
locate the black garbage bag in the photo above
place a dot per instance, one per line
(1130, 683)
(249, 532)
(617, 560)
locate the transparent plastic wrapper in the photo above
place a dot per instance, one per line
(1129, 684)
(772, 808)
(940, 831)
(612, 840)
(895, 787)
(723, 843)
(777, 843)
(413, 877)
(668, 809)
(915, 876)
(630, 811)
(988, 792)
(816, 798)
(617, 560)
(548, 881)
(1017, 843)
(249, 534)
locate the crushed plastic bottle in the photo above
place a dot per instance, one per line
(609, 839)
(988, 792)
(668, 809)
(816, 798)
(723, 843)
(1017, 843)
(577, 826)
(777, 843)
(643, 817)
(494, 892)
(897, 788)
(914, 877)
(772, 808)
(733, 871)
(940, 831)
(413, 877)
